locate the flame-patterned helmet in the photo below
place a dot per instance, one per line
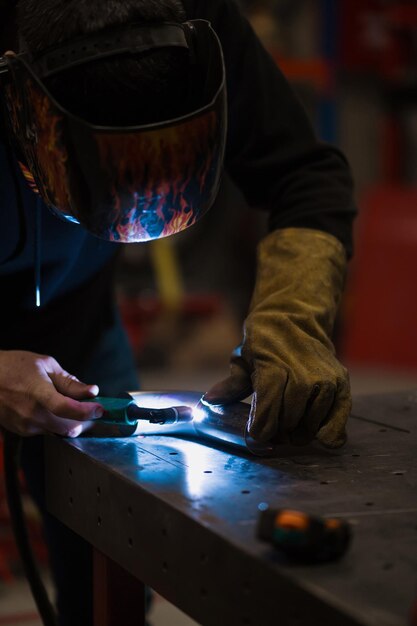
(122, 184)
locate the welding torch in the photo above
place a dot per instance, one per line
(184, 414)
(125, 411)
(122, 417)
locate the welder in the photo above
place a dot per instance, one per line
(118, 119)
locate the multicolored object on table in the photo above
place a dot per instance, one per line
(124, 184)
(304, 537)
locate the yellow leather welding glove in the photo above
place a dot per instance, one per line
(287, 360)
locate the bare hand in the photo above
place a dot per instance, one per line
(37, 396)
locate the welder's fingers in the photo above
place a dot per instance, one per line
(333, 433)
(268, 392)
(50, 400)
(70, 386)
(234, 388)
(64, 427)
(316, 413)
(42, 421)
(60, 394)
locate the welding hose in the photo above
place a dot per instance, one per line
(12, 451)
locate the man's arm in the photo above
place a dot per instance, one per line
(272, 152)
(286, 359)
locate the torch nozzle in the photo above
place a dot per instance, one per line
(171, 415)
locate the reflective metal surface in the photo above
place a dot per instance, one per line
(223, 424)
(182, 516)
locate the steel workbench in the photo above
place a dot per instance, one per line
(181, 516)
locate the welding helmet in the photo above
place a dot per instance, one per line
(123, 184)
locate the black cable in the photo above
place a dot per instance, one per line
(12, 448)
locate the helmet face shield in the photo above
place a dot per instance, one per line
(124, 184)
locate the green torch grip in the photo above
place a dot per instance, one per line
(116, 410)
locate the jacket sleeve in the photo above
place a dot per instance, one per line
(272, 152)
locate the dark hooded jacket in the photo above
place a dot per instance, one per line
(272, 155)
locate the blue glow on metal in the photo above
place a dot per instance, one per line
(198, 462)
(199, 415)
(38, 296)
(263, 506)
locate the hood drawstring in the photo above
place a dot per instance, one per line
(37, 251)
(37, 262)
(22, 220)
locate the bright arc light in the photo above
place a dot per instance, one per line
(198, 415)
(162, 400)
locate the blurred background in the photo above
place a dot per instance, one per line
(353, 65)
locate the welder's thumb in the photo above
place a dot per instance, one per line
(236, 387)
(70, 386)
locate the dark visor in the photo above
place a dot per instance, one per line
(123, 184)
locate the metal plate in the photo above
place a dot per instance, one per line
(181, 516)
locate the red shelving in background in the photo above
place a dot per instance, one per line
(372, 35)
(380, 313)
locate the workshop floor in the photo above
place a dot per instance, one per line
(16, 605)
(17, 608)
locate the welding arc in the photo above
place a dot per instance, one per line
(12, 449)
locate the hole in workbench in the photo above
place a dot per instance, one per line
(130, 510)
(355, 454)
(245, 491)
(130, 542)
(398, 473)
(369, 503)
(71, 501)
(99, 521)
(98, 491)
(164, 566)
(70, 471)
(324, 482)
(208, 472)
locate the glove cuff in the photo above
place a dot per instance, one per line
(301, 272)
(313, 241)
